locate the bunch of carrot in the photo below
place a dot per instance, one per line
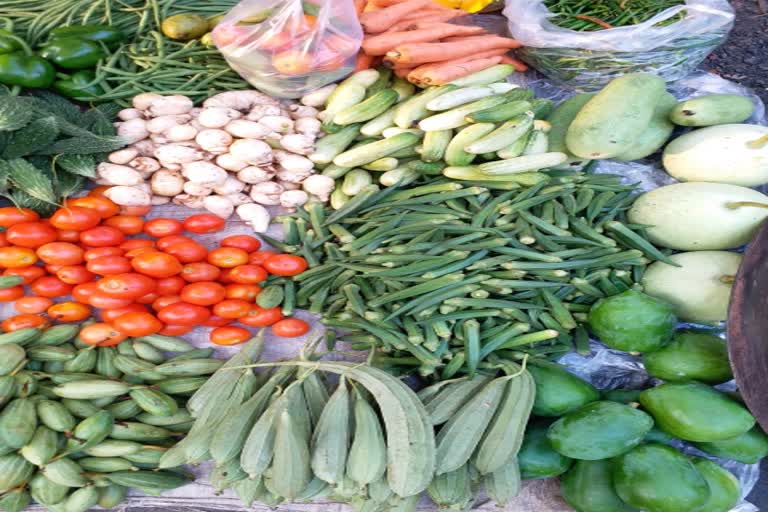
(416, 40)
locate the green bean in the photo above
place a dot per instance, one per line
(502, 338)
(633, 239)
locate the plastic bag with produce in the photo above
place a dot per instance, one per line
(287, 48)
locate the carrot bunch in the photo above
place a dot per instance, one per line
(416, 40)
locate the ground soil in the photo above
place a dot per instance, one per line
(744, 57)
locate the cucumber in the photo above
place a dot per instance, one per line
(455, 154)
(560, 119)
(655, 135)
(435, 145)
(465, 95)
(527, 163)
(610, 123)
(370, 108)
(327, 148)
(368, 153)
(415, 107)
(379, 123)
(503, 112)
(456, 117)
(486, 76)
(712, 109)
(502, 136)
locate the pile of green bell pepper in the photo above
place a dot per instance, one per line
(75, 51)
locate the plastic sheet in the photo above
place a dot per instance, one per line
(287, 48)
(588, 60)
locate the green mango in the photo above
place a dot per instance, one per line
(559, 392)
(599, 430)
(696, 412)
(588, 487)
(537, 458)
(632, 321)
(724, 488)
(749, 447)
(657, 478)
(691, 356)
(623, 396)
(656, 435)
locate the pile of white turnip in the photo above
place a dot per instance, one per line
(709, 212)
(239, 152)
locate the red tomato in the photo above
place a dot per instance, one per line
(109, 315)
(259, 257)
(31, 234)
(75, 217)
(170, 285)
(92, 254)
(139, 250)
(22, 321)
(52, 269)
(230, 335)
(195, 272)
(32, 304)
(60, 253)
(137, 324)
(101, 334)
(187, 252)
(14, 257)
(175, 330)
(183, 313)
(225, 276)
(50, 286)
(75, 274)
(227, 257)
(242, 291)
(244, 242)
(102, 236)
(127, 286)
(285, 265)
(105, 207)
(101, 300)
(84, 292)
(109, 265)
(29, 274)
(156, 264)
(248, 274)
(136, 243)
(260, 317)
(159, 228)
(217, 321)
(3, 239)
(205, 293)
(204, 223)
(69, 312)
(128, 224)
(232, 308)
(135, 210)
(290, 328)
(67, 235)
(161, 302)
(168, 241)
(10, 215)
(11, 294)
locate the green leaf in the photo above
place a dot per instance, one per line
(13, 113)
(71, 129)
(69, 184)
(98, 123)
(31, 180)
(109, 110)
(61, 106)
(37, 135)
(5, 174)
(5, 138)
(81, 165)
(84, 145)
(23, 200)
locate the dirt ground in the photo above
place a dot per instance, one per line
(744, 58)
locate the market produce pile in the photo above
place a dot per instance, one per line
(452, 233)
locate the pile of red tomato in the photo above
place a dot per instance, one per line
(162, 283)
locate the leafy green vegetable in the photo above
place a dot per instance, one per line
(81, 165)
(69, 184)
(37, 135)
(62, 107)
(24, 200)
(13, 113)
(31, 180)
(84, 145)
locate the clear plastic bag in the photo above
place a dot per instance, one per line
(288, 48)
(588, 60)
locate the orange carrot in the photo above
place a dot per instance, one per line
(421, 53)
(379, 21)
(380, 44)
(519, 65)
(448, 72)
(417, 75)
(364, 61)
(423, 19)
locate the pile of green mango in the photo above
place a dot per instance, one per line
(613, 450)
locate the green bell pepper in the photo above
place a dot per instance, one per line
(8, 42)
(76, 85)
(26, 70)
(73, 53)
(96, 33)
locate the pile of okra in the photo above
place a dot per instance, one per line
(440, 276)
